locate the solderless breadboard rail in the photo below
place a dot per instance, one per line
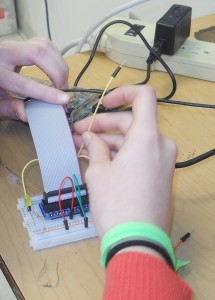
(45, 232)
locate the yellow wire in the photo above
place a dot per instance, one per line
(23, 173)
(95, 112)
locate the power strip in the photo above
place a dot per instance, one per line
(193, 59)
(45, 233)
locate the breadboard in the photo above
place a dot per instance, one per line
(45, 233)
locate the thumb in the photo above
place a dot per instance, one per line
(97, 148)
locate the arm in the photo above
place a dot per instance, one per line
(130, 180)
(39, 52)
(136, 275)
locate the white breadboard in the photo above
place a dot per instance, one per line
(49, 233)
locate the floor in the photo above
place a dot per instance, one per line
(5, 292)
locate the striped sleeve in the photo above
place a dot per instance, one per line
(138, 276)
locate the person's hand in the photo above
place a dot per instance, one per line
(135, 184)
(37, 51)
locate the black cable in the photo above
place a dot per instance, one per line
(195, 160)
(82, 90)
(166, 101)
(176, 102)
(152, 51)
(192, 104)
(47, 19)
(148, 73)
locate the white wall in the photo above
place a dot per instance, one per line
(154, 9)
(69, 19)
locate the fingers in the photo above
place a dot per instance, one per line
(117, 97)
(39, 52)
(13, 109)
(141, 126)
(24, 86)
(143, 100)
(124, 95)
(114, 141)
(106, 122)
(145, 111)
(48, 58)
(98, 150)
(144, 108)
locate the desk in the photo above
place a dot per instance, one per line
(81, 276)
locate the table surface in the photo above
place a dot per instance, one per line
(81, 276)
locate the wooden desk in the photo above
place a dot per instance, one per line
(81, 276)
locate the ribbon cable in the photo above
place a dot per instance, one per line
(54, 145)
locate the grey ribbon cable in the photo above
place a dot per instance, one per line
(54, 144)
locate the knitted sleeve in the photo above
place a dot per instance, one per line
(138, 276)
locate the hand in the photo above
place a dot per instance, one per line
(39, 52)
(135, 184)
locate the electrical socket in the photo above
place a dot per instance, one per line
(193, 59)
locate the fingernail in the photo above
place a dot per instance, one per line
(63, 98)
(21, 117)
(86, 138)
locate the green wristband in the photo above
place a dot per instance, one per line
(135, 230)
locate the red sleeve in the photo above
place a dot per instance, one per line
(138, 276)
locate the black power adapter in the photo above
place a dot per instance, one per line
(173, 29)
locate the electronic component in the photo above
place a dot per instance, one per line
(52, 211)
(44, 233)
(81, 105)
(47, 284)
(45, 217)
(66, 193)
(173, 28)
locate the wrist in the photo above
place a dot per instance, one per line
(137, 234)
(142, 249)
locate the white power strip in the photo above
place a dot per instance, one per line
(194, 58)
(45, 233)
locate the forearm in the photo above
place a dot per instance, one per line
(136, 275)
